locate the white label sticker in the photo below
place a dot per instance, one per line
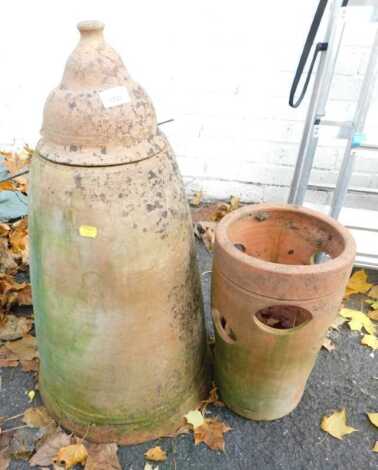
(115, 96)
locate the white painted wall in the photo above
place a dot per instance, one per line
(222, 69)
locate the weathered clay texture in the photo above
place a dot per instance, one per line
(115, 284)
(262, 370)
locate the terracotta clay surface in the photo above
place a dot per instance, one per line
(272, 305)
(115, 285)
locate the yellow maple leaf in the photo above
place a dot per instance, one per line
(71, 455)
(358, 320)
(373, 417)
(211, 433)
(371, 341)
(335, 424)
(357, 284)
(195, 418)
(156, 454)
(375, 448)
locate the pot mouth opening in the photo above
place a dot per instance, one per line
(286, 237)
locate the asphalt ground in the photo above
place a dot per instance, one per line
(346, 377)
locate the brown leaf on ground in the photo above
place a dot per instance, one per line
(30, 366)
(373, 292)
(12, 292)
(211, 432)
(24, 442)
(71, 455)
(373, 315)
(335, 424)
(48, 450)
(213, 398)
(7, 358)
(205, 231)
(4, 459)
(18, 238)
(13, 327)
(225, 208)
(37, 417)
(4, 230)
(7, 186)
(102, 457)
(25, 349)
(8, 263)
(156, 454)
(24, 296)
(17, 161)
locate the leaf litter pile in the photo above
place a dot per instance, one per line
(39, 439)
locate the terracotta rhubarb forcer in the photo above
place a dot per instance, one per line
(272, 305)
(115, 285)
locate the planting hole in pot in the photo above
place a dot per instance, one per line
(286, 237)
(283, 317)
(223, 328)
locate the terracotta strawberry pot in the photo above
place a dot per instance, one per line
(272, 305)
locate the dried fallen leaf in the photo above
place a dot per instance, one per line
(196, 199)
(357, 284)
(373, 417)
(375, 448)
(10, 290)
(156, 454)
(31, 395)
(71, 455)
(7, 358)
(4, 459)
(46, 453)
(8, 263)
(37, 417)
(24, 442)
(102, 457)
(205, 231)
(373, 292)
(211, 432)
(13, 327)
(328, 344)
(335, 424)
(373, 315)
(24, 295)
(213, 398)
(195, 418)
(17, 161)
(25, 349)
(18, 237)
(358, 320)
(30, 366)
(371, 341)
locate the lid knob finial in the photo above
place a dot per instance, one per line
(91, 27)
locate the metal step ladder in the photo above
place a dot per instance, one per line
(363, 224)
